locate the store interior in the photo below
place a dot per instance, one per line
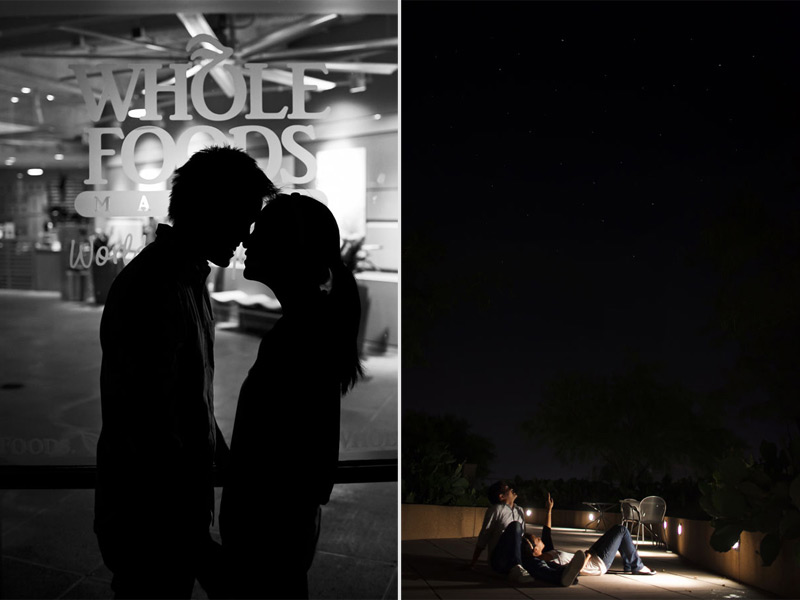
(46, 126)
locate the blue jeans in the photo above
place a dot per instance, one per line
(509, 552)
(617, 539)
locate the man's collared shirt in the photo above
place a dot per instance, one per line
(495, 521)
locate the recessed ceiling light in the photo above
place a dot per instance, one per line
(137, 113)
(35, 172)
(25, 90)
(59, 156)
(50, 97)
(14, 99)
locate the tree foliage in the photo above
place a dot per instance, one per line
(454, 432)
(762, 495)
(436, 478)
(756, 258)
(633, 424)
(435, 449)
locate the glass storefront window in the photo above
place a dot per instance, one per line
(58, 256)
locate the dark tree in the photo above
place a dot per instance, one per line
(632, 425)
(754, 249)
(421, 429)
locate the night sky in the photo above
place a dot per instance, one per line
(562, 167)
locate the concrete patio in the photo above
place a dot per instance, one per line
(436, 568)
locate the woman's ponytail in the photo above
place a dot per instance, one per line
(346, 303)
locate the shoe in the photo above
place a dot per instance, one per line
(518, 574)
(644, 571)
(572, 569)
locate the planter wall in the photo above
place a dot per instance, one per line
(743, 564)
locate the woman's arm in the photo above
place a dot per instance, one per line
(547, 537)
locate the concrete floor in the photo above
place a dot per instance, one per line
(50, 414)
(436, 569)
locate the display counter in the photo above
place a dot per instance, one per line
(252, 306)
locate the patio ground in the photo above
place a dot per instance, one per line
(437, 569)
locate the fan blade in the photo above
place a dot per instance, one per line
(14, 129)
(272, 75)
(326, 50)
(43, 138)
(114, 72)
(355, 67)
(196, 24)
(285, 78)
(45, 83)
(285, 35)
(132, 57)
(114, 38)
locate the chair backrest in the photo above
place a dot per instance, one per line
(630, 509)
(653, 509)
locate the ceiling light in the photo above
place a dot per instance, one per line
(25, 90)
(35, 172)
(377, 117)
(10, 161)
(59, 156)
(50, 97)
(14, 99)
(137, 113)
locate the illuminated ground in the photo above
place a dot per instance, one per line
(435, 569)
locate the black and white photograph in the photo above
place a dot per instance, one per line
(199, 273)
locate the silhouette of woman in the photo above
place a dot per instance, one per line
(285, 443)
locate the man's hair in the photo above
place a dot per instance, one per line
(217, 178)
(495, 490)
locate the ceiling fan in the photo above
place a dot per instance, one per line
(269, 48)
(353, 56)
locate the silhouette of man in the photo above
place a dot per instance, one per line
(159, 440)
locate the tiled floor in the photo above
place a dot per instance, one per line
(436, 569)
(49, 550)
(50, 384)
(49, 414)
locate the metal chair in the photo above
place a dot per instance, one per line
(652, 511)
(631, 517)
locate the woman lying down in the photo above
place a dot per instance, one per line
(598, 558)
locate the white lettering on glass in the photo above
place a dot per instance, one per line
(246, 83)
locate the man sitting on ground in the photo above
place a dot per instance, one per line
(510, 552)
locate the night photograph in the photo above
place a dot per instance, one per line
(599, 293)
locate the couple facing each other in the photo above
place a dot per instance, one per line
(519, 555)
(160, 440)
